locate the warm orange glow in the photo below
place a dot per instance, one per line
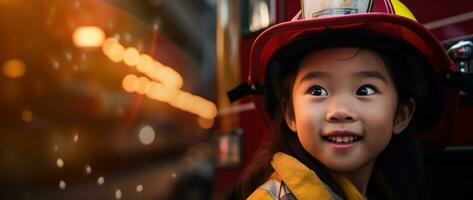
(205, 108)
(178, 101)
(115, 52)
(88, 169)
(100, 180)
(14, 68)
(166, 75)
(157, 92)
(156, 75)
(139, 188)
(130, 83)
(88, 36)
(118, 194)
(176, 98)
(145, 64)
(167, 87)
(205, 123)
(160, 92)
(131, 56)
(200, 107)
(76, 138)
(194, 104)
(27, 115)
(62, 185)
(182, 100)
(175, 79)
(59, 163)
(107, 44)
(143, 85)
(187, 102)
(212, 111)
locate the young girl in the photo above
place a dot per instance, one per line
(345, 95)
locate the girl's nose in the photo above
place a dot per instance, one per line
(340, 111)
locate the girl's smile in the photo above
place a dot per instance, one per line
(342, 139)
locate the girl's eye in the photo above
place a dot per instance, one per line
(318, 91)
(366, 90)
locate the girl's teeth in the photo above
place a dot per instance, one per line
(343, 139)
(339, 139)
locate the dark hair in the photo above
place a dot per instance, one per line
(400, 162)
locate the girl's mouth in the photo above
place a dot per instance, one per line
(342, 139)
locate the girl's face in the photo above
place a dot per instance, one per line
(344, 107)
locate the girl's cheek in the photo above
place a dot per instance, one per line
(311, 116)
(379, 117)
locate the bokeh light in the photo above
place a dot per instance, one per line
(159, 92)
(130, 83)
(55, 64)
(88, 169)
(131, 56)
(62, 185)
(205, 123)
(76, 138)
(115, 52)
(118, 194)
(146, 135)
(59, 162)
(14, 68)
(181, 100)
(167, 89)
(139, 188)
(101, 180)
(68, 56)
(27, 115)
(166, 75)
(143, 85)
(88, 36)
(107, 44)
(145, 64)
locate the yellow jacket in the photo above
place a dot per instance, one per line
(300, 182)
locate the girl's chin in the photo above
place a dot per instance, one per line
(345, 166)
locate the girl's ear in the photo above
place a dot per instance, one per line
(404, 116)
(289, 116)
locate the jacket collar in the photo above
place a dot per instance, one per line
(305, 184)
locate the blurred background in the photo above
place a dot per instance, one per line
(127, 99)
(70, 128)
